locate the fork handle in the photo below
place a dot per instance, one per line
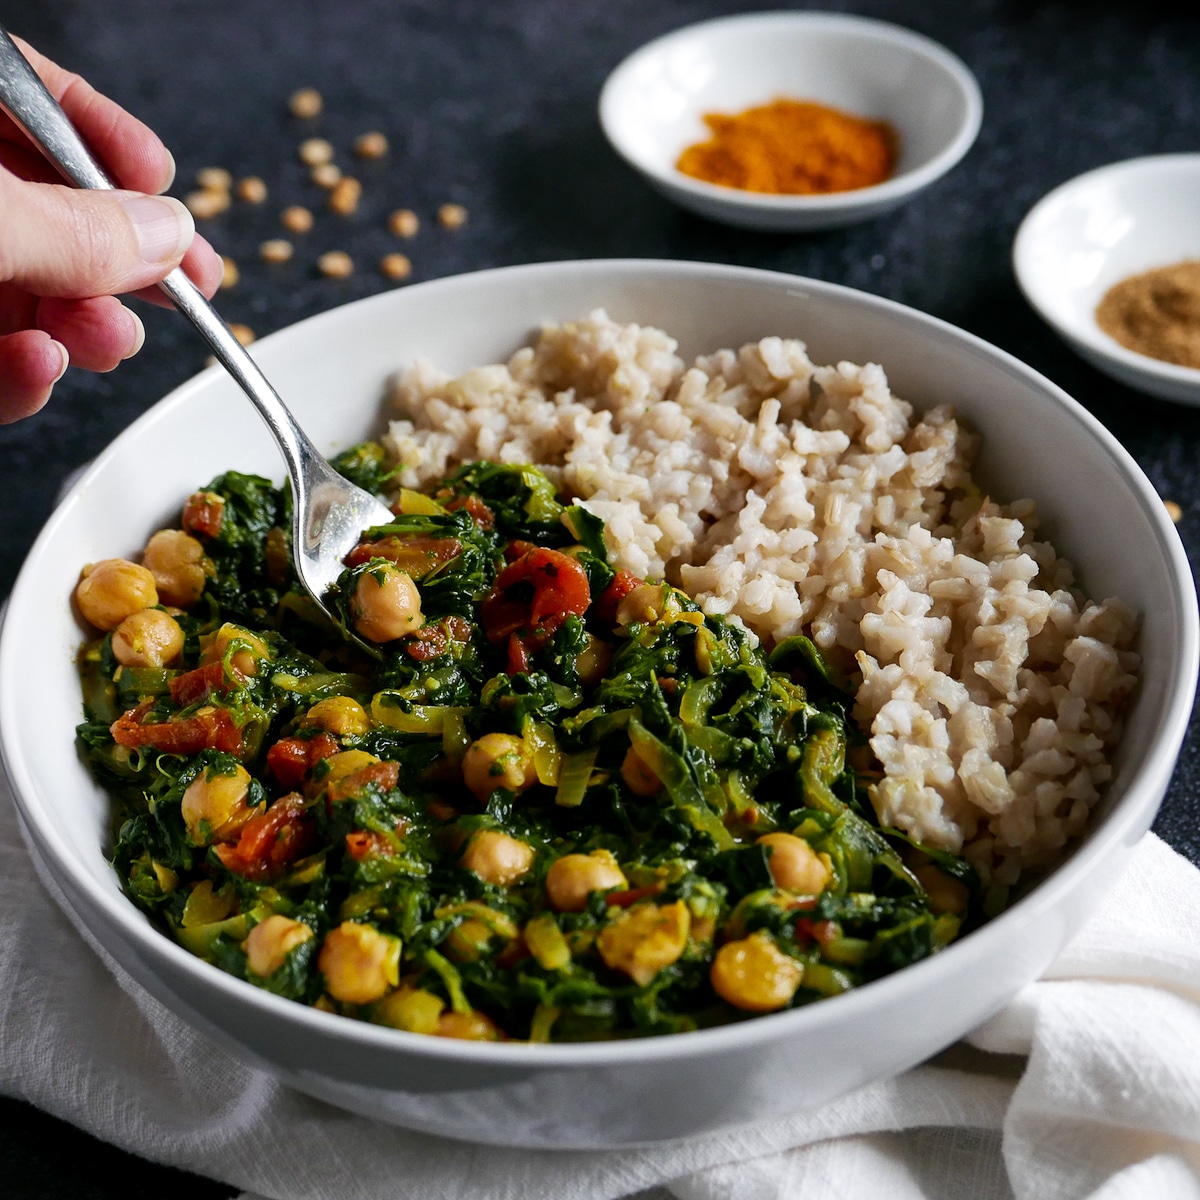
(25, 98)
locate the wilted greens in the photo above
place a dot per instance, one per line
(563, 804)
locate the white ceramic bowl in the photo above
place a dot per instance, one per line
(1098, 507)
(1096, 230)
(652, 106)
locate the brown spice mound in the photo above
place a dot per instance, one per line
(1156, 313)
(792, 147)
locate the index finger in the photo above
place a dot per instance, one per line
(129, 151)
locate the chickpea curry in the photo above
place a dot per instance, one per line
(559, 803)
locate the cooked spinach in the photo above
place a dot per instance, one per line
(558, 809)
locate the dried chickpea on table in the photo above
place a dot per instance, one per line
(562, 804)
(217, 191)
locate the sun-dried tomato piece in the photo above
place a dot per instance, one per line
(630, 896)
(417, 555)
(369, 843)
(272, 840)
(208, 729)
(291, 758)
(287, 761)
(195, 685)
(517, 549)
(476, 509)
(203, 513)
(621, 584)
(531, 598)
(427, 642)
(459, 628)
(518, 655)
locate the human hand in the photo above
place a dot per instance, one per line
(66, 254)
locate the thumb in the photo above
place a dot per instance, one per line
(57, 241)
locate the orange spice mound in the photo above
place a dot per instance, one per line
(792, 147)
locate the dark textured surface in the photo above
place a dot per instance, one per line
(493, 105)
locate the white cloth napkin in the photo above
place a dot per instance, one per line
(1103, 1102)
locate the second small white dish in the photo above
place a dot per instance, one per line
(652, 106)
(1098, 229)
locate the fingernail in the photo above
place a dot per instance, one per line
(171, 170)
(164, 227)
(66, 361)
(139, 333)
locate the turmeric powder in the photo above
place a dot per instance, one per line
(792, 147)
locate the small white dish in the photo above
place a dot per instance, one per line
(652, 106)
(1098, 229)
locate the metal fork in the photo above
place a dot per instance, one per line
(330, 513)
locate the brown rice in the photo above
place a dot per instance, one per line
(803, 498)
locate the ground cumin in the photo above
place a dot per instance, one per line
(1156, 313)
(792, 147)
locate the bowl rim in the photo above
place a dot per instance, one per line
(884, 32)
(1087, 334)
(1130, 814)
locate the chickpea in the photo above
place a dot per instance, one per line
(296, 219)
(794, 865)
(496, 857)
(214, 179)
(336, 264)
(572, 878)
(386, 604)
(452, 216)
(150, 638)
(315, 151)
(644, 605)
(245, 660)
(341, 715)
(469, 941)
(411, 1009)
(404, 223)
(498, 760)
(395, 266)
(326, 175)
(112, 590)
(594, 661)
(276, 250)
(638, 775)
(252, 190)
(371, 145)
(359, 963)
(305, 103)
(754, 974)
(344, 196)
(271, 941)
(206, 203)
(645, 938)
(481, 929)
(177, 562)
(214, 806)
(472, 1027)
(946, 894)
